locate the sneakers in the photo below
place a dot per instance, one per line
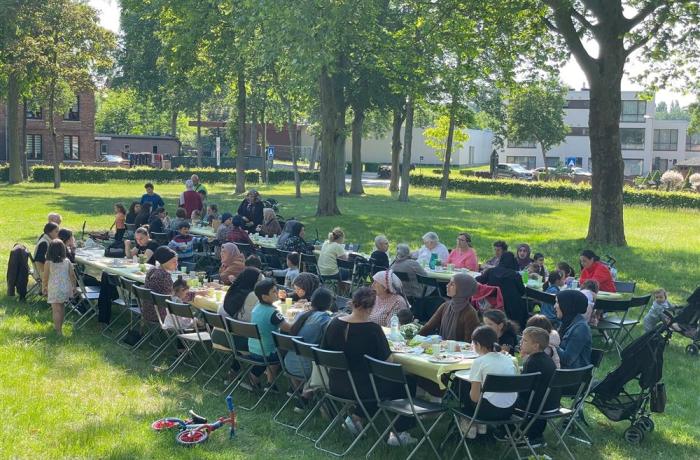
(352, 426)
(300, 405)
(403, 439)
(481, 429)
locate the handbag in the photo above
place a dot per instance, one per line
(116, 250)
(658, 398)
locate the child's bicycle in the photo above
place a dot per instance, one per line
(195, 430)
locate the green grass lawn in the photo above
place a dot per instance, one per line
(85, 397)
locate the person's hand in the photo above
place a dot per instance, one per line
(231, 278)
(44, 291)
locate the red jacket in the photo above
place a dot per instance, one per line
(191, 200)
(599, 271)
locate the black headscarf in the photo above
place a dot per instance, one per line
(571, 303)
(242, 286)
(507, 260)
(308, 282)
(286, 232)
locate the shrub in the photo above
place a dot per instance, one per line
(275, 176)
(4, 173)
(695, 180)
(672, 179)
(139, 174)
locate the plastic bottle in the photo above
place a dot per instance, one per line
(394, 323)
(433, 259)
(526, 277)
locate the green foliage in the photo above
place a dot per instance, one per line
(90, 174)
(436, 136)
(676, 112)
(557, 190)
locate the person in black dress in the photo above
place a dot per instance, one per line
(506, 277)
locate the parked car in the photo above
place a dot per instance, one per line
(576, 171)
(113, 160)
(513, 171)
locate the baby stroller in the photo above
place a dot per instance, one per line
(686, 322)
(642, 361)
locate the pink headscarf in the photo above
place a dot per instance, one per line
(231, 251)
(389, 280)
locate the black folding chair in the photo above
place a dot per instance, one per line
(221, 344)
(625, 287)
(284, 344)
(250, 331)
(611, 325)
(629, 324)
(336, 362)
(309, 263)
(190, 340)
(428, 282)
(537, 297)
(495, 383)
(269, 258)
(127, 292)
(161, 304)
(408, 406)
(245, 248)
(161, 238)
(305, 351)
(124, 302)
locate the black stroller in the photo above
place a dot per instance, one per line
(642, 361)
(686, 322)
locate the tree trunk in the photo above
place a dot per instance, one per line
(340, 162)
(199, 135)
(397, 122)
(448, 151)
(292, 131)
(253, 134)
(356, 162)
(23, 147)
(240, 147)
(606, 225)
(327, 196)
(408, 142)
(14, 155)
(314, 152)
(263, 142)
(173, 122)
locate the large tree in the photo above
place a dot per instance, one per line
(619, 28)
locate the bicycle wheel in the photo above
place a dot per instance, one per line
(191, 437)
(167, 424)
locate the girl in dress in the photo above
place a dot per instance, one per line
(59, 281)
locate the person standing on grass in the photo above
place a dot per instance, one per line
(251, 209)
(197, 186)
(190, 200)
(59, 282)
(151, 197)
(119, 221)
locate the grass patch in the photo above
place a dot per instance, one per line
(85, 397)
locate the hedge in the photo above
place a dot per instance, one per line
(655, 198)
(139, 174)
(4, 173)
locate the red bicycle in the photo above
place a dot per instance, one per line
(196, 429)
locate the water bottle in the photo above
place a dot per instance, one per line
(394, 323)
(433, 259)
(526, 277)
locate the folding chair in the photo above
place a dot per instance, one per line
(534, 297)
(161, 304)
(221, 344)
(336, 361)
(625, 287)
(133, 309)
(610, 327)
(161, 238)
(561, 380)
(309, 263)
(282, 257)
(407, 406)
(305, 350)
(144, 299)
(428, 282)
(250, 331)
(190, 340)
(86, 298)
(284, 344)
(363, 273)
(124, 301)
(36, 288)
(629, 324)
(494, 383)
(348, 266)
(268, 256)
(403, 276)
(245, 248)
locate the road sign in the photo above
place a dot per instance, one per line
(270, 152)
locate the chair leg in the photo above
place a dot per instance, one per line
(296, 393)
(226, 364)
(462, 437)
(308, 417)
(265, 392)
(426, 437)
(383, 434)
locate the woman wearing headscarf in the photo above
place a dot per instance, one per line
(159, 280)
(310, 325)
(576, 341)
(240, 298)
(251, 209)
(143, 216)
(286, 232)
(389, 299)
(232, 263)
(270, 226)
(404, 263)
(190, 200)
(238, 234)
(523, 256)
(507, 278)
(455, 319)
(294, 242)
(305, 284)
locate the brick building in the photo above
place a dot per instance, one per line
(75, 130)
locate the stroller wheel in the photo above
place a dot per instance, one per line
(634, 435)
(645, 423)
(692, 349)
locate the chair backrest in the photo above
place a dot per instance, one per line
(131, 227)
(346, 264)
(403, 276)
(597, 357)
(245, 248)
(284, 342)
(641, 301)
(540, 296)
(180, 309)
(498, 383)
(308, 263)
(386, 371)
(125, 284)
(243, 329)
(606, 305)
(304, 349)
(565, 378)
(221, 338)
(143, 295)
(214, 319)
(160, 238)
(625, 287)
(427, 281)
(161, 303)
(331, 359)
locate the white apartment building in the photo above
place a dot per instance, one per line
(647, 144)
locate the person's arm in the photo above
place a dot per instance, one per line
(434, 321)
(278, 320)
(45, 278)
(161, 203)
(475, 391)
(443, 253)
(340, 252)
(73, 278)
(572, 348)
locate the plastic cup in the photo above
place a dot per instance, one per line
(219, 295)
(450, 267)
(288, 301)
(436, 349)
(451, 346)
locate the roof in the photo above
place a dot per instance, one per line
(103, 136)
(689, 162)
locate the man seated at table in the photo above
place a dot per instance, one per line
(380, 257)
(432, 245)
(499, 247)
(151, 197)
(183, 243)
(144, 245)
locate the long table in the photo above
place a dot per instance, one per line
(209, 232)
(95, 263)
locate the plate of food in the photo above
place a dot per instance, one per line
(443, 358)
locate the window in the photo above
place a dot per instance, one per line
(578, 104)
(127, 148)
(521, 145)
(662, 164)
(579, 131)
(32, 110)
(692, 142)
(666, 139)
(73, 113)
(71, 148)
(632, 138)
(552, 162)
(472, 152)
(33, 146)
(633, 167)
(154, 149)
(103, 148)
(633, 111)
(527, 162)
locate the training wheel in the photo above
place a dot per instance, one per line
(166, 424)
(692, 349)
(191, 437)
(646, 423)
(634, 435)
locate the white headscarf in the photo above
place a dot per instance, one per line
(189, 185)
(389, 280)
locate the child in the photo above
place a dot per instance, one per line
(405, 316)
(496, 406)
(119, 221)
(533, 271)
(541, 321)
(196, 215)
(59, 281)
(268, 319)
(212, 213)
(569, 273)
(183, 243)
(590, 290)
(292, 269)
(253, 261)
(555, 282)
(181, 293)
(535, 341)
(538, 260)
(656, 312)
(506, 330)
